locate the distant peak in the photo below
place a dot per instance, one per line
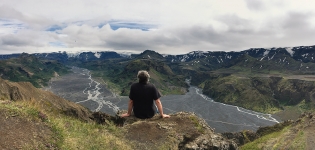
(150, 54)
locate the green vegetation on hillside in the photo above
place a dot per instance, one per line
(264, 85)
(28, 68)
(120, 74)
(279, 64)
(263, 94)
(260, 84)
(61, 131)
(286, 135)
(250, 93)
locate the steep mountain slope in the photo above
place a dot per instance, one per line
(266, 80)
(271, 56)
(18, 91)
(35, 119)
(30, 68)
(277, 61)
(148, 54)
(289, 135)
(263, 94)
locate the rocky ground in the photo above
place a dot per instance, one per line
(182, 131)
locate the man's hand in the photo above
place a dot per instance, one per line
(165, 116)
(125, 115)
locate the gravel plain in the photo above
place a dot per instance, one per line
(81, 88)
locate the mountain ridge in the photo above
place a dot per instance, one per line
(303, 53)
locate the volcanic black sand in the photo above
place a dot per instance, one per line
(81, 88)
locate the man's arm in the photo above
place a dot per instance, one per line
(130, 106)
(160, 108)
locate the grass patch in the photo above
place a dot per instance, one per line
(81, 135)
(68, 132)
(198, 125)
(13, 109)
(306, 106)
(299, 141)
(265, 141)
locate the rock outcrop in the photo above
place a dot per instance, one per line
(184, 131)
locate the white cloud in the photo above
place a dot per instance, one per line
(165, 26)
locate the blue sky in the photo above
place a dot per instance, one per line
(10, 26)
(168, 27)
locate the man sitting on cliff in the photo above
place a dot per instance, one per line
(142, 95)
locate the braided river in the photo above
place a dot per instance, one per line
(81, 88)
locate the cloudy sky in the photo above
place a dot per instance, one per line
(166, 26)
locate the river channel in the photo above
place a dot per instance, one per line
(81, 88)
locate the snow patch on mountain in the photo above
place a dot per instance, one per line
(266, 53)
(305, 55)
(97, 54)
(73, 54)
(290, 51)
(185, 57)
(125, 54)
(272, 56)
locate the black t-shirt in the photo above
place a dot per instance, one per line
(142, 95)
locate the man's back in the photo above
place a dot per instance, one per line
(143, 96)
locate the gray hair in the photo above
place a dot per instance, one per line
(143, 76)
